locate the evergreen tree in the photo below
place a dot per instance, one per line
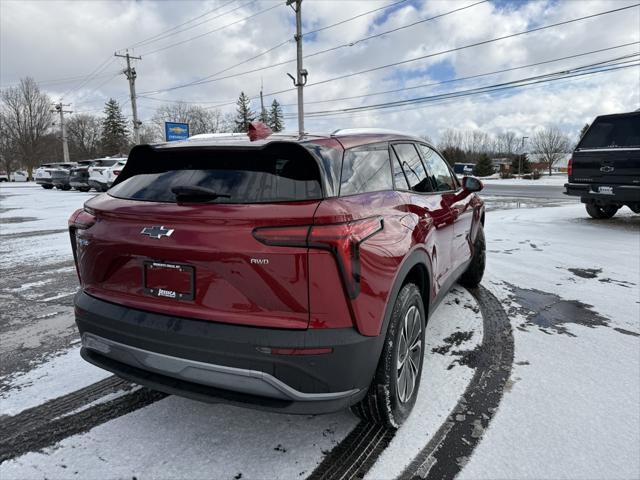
(484, 167)
(515, 164)
(583, 130)
(244, 115)
(114, 129)
(276, 120)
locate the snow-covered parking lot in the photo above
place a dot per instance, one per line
(536, 375)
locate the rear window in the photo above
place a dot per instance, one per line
(366, 169)
(613, 132)
(237, 177)
(104, 163)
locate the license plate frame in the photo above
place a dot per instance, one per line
(158, 291)
(605, 190)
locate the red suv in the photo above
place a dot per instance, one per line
(288, 274)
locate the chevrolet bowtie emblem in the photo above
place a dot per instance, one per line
(157, 232)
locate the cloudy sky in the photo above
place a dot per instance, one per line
(61, 43)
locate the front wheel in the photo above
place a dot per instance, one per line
(601, 213)
(47, 187)
(395, 385)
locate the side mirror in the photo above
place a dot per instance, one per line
(472, 184)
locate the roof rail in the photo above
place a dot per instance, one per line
(371, 130)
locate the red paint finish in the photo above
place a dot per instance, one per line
(329, 263)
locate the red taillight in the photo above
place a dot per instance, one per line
(295, 351)
(116, 172)
(342, 239)
(570, 167)
(81, 219)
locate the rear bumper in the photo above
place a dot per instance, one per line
(621, 194)
(97, 185)
(222, 363)
(79, 183)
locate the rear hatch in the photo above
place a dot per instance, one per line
(609, 152)
(192, 253)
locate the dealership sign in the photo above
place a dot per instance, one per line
(176, 131)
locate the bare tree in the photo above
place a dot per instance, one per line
(200, 120)
(27, 119)
(551, 144)
(8, 161)
(84, 133)
(506, 144)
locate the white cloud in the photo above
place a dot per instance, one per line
(54, 39)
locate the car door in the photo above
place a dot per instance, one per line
(446, 183)
(433, 221)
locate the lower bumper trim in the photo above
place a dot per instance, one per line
(251, 382)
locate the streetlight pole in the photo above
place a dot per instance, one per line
(521, 155)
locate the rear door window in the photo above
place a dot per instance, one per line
(611, 132)
(366, 169)
(236, 177)
(413, 169)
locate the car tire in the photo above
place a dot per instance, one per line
(601, 213)
(393, 391)
(472, 276)
(84, 189)
(47, 187)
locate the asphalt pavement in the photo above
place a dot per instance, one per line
(527, 191)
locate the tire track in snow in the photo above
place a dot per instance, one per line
(57, 419)
(447, 452)
(452, 445)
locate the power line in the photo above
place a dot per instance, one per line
(154, 38)
(342, 22)
(459, 79)
(269, 50)
(214, 30)
(476, 44)
(476, 91)
(220, 103)
(286, 62)
(100, 68)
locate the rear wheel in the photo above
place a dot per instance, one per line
(395, 385)
(599, 212)
(84, 189)
(47, 187)
(473, 274)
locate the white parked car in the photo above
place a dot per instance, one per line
(104, 171)
(45, 173)
(3, 176)
(19, 176)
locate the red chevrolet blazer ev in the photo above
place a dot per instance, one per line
(289, 274)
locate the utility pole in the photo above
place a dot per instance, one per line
(521, 155)
(131, 76)
(263, 112)
(59, 108)
(301, 75)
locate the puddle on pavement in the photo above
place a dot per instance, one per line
(585, 272)
(551, 314)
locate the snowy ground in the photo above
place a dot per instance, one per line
(570, 410)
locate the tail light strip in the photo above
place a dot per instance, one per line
(341, 239)
(81, 219)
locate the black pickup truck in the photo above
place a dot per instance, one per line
(604, 170)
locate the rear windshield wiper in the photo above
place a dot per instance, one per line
(194, 193)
